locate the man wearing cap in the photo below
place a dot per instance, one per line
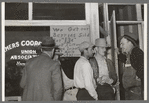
(83, 74)
(128, 45)
(104, 71)
(41, 79)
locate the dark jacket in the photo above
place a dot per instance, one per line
(112, 72)
(41, 79)
(137, 61)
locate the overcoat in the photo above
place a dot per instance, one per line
(41, 79)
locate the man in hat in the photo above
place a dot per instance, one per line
(135, 56)
(83, 74)
(41, 78)
(104, 71)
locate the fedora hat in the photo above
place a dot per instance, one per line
(48, 42)
(101, 42)
(131, 37)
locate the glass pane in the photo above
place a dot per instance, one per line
(101, 17)
(16, 11)
(123, 12)
(142, 9)
(21, 44)
(42, 11)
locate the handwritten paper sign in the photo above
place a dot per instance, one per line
(68, 38)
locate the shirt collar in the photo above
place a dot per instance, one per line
(83, 58)
(47, 54)
(99, 56)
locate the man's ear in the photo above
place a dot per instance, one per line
(96, 49)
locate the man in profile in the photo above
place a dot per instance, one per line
(83, 74)
(41, 79)
(129, 47)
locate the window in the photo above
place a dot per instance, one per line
(16, 11)
(123, 12)
(53, 11)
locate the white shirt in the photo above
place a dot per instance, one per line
(67, 82)
(83, 76)
(103, 69)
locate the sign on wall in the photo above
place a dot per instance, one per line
(68, 38)
(22, 43)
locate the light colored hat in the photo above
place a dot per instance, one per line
(101, 42)
(85, 45)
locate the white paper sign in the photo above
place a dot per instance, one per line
(68, 38)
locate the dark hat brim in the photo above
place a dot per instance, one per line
(49, 46)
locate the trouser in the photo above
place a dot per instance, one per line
(105, 92)
(133, 93)
(83, 95)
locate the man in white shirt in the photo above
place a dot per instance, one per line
(83, 74)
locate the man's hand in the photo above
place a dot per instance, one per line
(109, 81)
(117, 50)
(137, 78)
(100, 81)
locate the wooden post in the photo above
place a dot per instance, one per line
(30, 10)
(139, 18)
(114, 53)
(3, 50)
(94, 22)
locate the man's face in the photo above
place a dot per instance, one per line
(125, 45)
(101, 50)
(90, 52)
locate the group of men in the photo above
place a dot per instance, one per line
(94, 74)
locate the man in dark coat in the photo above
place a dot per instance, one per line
(104, 71)
(41, 79)
(128, 45)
